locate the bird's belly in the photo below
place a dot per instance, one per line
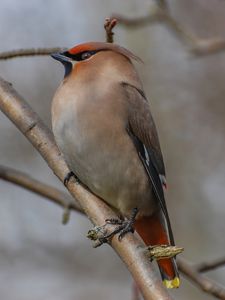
(106, 160)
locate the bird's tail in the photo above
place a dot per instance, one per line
(153, 232)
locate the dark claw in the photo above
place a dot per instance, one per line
(124, 226)
(103, 240)
(68, 176)
(114, 221)
(125, 230)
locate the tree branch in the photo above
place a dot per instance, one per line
(131, 248)
(29, 52)
(159, 13)
(208, 266)
(110, 23)
(205, 284)
(60, 198)
(21, 179)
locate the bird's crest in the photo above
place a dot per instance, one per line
(98, 46)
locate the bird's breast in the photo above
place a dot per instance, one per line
(91, 132)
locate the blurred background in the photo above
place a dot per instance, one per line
(39, 257)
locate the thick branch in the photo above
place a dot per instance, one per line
(131, 248)
(60, 198)
(206, 284)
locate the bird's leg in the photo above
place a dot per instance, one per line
(68, 176)
(124, 226)
(127, 225)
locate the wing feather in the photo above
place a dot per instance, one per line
(142, 130)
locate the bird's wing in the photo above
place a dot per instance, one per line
(141, 128)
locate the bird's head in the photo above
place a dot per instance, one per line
(85, 52)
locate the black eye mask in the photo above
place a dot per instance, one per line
(80, 56)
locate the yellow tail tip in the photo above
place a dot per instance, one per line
(171, 284)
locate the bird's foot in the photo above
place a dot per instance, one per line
(123, 227)
(68, 176)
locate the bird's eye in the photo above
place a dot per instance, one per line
(85, 55)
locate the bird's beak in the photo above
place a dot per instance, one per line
(61, 57)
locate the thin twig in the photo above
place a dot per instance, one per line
(110, 23)
(29, 52)
(160, 14)
(21, 179)
(131, 248)
(205, 284)
(208, 46)
(152, 17)
(208, 266)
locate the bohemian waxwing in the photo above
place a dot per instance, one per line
(103, 125)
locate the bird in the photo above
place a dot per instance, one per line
(103, 125)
